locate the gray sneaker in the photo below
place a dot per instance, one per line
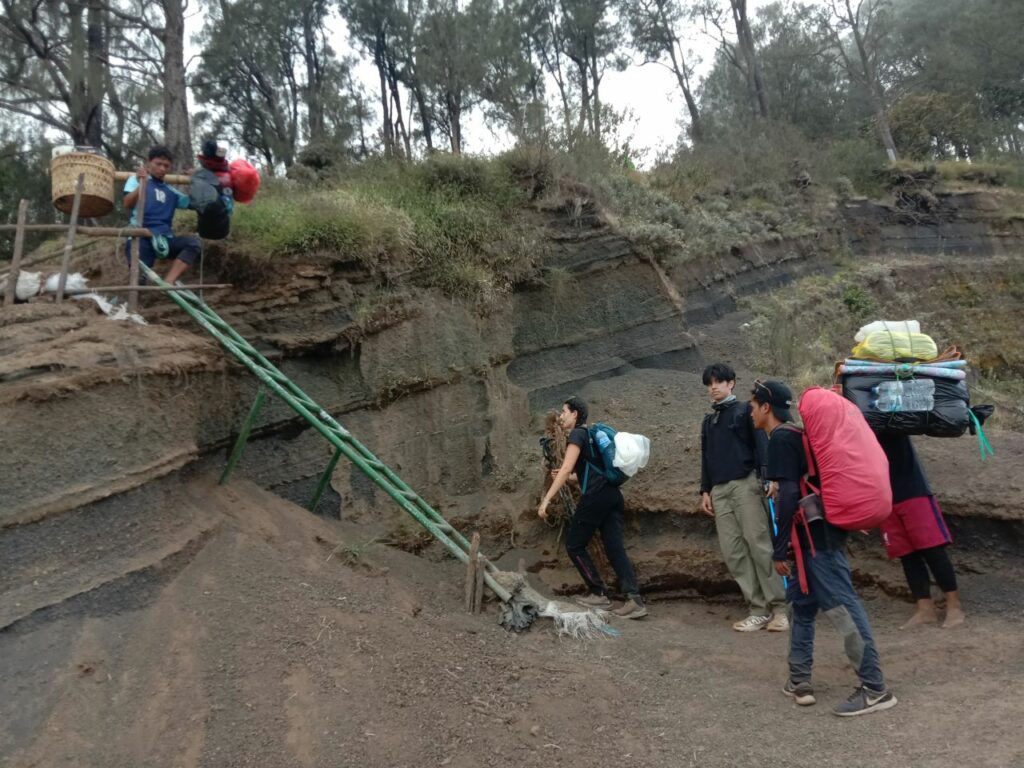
(631, 609)
(863, 700)
(801, 693)
(594, 601)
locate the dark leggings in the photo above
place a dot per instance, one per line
(601, 510)
(917, 564)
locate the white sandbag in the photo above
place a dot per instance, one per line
(631, 452)
(74, 282)
(27, 287)
(905, 326)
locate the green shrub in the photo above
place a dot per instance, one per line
(322, 223)
(454, 218)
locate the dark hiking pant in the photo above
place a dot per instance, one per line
(601, 511)
(832, 593)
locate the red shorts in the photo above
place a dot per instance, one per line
(914, 524)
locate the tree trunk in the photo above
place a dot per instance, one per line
(95, 75)
(177, 131)
(455, 122)
(754, 71)
(874, 86)
(314, 76)
(425, 121)
(379, 59)
(683, 78)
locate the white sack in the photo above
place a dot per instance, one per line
(631, 452)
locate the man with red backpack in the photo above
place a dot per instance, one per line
(822, 574)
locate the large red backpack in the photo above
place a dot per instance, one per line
(245, 180)
(850, 465)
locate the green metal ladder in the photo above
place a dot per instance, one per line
(272, 379)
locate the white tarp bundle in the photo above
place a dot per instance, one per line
(631, 452)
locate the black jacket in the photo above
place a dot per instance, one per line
(730, 447)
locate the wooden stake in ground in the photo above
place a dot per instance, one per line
(19, 246)
(481, 567)
(70, 242)
(472, 565)
(133, 272)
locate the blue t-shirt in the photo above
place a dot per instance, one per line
(162, 200)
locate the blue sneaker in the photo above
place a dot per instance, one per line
(863, 700)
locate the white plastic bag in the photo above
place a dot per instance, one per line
(74, 282)
(631, 452)
(897, 326)
(118, 312)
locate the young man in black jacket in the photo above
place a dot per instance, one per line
(732, 493)
(825, 570)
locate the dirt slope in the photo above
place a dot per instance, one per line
(186, 624)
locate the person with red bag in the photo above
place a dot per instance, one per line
(795, 467)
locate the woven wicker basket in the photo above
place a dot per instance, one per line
(98, 191)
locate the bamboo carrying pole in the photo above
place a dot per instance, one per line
(19, 246)
(136, 249)
(84, 230)
(170, 178)
(70, 242)
(149, 288)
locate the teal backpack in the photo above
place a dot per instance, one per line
(601, 448)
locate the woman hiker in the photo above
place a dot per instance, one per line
(600, 508)
(917, 534)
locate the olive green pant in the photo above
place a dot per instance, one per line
(741, 518)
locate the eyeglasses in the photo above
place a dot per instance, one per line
(760, 386)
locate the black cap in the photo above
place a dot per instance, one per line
(211, 150)
(777, 395)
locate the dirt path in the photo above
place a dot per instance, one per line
(275, 639)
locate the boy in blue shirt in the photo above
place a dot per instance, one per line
(162, 200)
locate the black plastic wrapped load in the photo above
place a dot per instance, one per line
(936, 407)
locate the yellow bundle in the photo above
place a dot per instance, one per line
(896, 345)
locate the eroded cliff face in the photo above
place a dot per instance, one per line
(445, 393)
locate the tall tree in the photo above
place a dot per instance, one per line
(576, 41)
(52, 67)
(655, 31)
(512, 87)
(868, 24)
(591, 38)
(379, 26)
(274, 81)
(731, 29)
(152, 43)
(249, 77)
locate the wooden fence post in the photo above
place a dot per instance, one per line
(70, 242)
(133, 272)
(19, 246)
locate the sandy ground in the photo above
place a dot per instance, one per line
(190, 625)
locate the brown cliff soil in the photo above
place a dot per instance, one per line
(186, 624)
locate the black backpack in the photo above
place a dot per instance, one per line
(209, 200)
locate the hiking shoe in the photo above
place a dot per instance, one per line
(595, 601)
(752, 623)
(801, 693)
(631, 609)
(779, 623)
(864, 700)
